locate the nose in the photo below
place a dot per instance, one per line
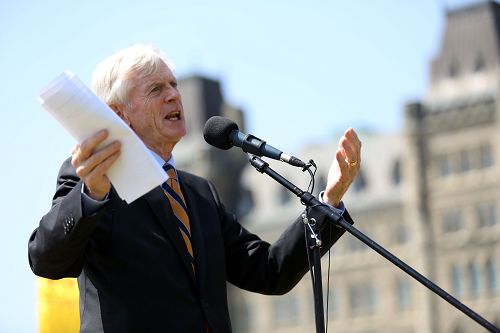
(172, 94)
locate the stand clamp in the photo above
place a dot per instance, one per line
(311, 222)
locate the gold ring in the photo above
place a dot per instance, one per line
(353, 163)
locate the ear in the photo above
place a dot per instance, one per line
(120, 110)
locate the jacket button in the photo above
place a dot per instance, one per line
(68, 224)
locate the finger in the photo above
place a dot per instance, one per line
(97, 183)
(86, 147)
(341, 160)
(352, 136)
(87, 166)
(100, 170)
(351, 151)
(352, 145)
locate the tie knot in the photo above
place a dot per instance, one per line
(172, 175)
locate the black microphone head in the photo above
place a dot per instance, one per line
(217, 130)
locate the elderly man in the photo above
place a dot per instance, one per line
(160, 263)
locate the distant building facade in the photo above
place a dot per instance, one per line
(430, 194)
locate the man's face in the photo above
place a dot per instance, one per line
(156, 114)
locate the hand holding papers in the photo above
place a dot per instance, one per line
(82, 114)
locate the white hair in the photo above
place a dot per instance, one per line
(111, 78)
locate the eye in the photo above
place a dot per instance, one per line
(155, 89)
(173, 84)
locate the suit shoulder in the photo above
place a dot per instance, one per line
(199, 183)
(192, 178)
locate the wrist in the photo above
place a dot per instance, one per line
(96, 195)
(324, 198)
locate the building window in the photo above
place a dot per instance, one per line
(444, 165)
(363, 299)
(403, 294)
(286, 310)
(401, 234)
(246, 202)
(359, 183)
(485, 156)
(452, 221)
(465, 161)
(487, 214)
(396, 173)
(492, 272)
(453, 68)
(354, 244)
(242, 315)
(333, 303)
(457, 280)
(479, 63)
(475, 279)
(319, 185)
(284, 195)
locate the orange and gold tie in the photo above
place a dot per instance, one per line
(173, 191)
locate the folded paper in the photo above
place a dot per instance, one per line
(83, 114)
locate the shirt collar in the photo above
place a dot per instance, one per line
(161, 161)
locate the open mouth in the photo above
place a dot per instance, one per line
(176, 115)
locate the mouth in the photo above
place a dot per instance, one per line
(173, 116)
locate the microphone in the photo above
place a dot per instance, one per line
(223, 133)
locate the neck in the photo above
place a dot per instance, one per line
(165, 151)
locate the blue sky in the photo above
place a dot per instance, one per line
(302, 71)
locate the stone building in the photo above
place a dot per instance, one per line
(429, 194)
(202, 98)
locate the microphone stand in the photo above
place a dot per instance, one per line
(314, 243)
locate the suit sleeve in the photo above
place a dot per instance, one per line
(56, 249)
(273, 269)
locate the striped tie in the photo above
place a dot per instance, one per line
(173, 192)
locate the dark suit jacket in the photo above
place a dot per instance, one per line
(132, 266)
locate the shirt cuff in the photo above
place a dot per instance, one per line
(90, 205)
(340, 209)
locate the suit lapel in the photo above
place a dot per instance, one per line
(159, 204)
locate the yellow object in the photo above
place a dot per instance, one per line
(57, 306)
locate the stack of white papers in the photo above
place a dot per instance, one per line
(82, 114)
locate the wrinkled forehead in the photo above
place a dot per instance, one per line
(143, 78)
